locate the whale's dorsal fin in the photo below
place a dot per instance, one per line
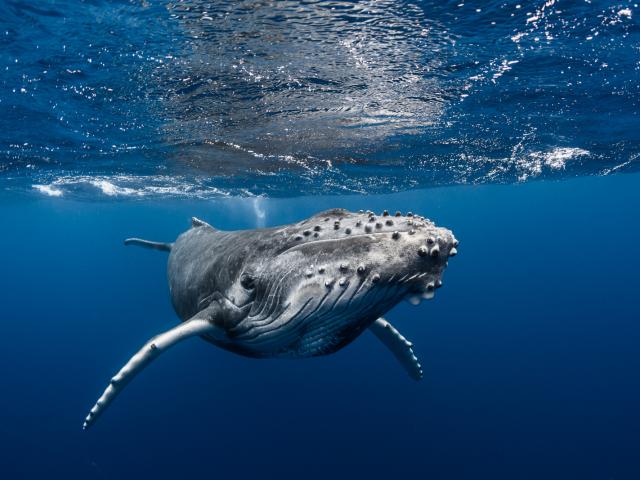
(196, 222)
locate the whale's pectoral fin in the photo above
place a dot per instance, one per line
(399, 346)
(165, 247)
(200, 324)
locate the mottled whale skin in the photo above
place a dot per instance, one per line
(298, 290)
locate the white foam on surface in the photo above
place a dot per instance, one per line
(111, 190)
(624, 12)
(132, 186)
(528, 165)
(535, 163)
(557, 158)
(49, 190)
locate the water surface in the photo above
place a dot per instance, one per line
(204, 99)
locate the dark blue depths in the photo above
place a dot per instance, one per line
(530, 350)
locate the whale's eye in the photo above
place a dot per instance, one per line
(247, 281)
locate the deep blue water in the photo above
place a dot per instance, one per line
(530, 349)
(514, 124)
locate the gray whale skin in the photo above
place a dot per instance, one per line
(298, 290)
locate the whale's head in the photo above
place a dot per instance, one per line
(327, 278)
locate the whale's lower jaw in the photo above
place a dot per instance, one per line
(321, 342)
(320, 323)
(312, 340)
(317, 335)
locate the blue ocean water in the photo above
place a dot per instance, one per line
(530, 349)
(514, 124)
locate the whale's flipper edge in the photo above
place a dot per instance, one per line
(200, 324)
(399, 346)
(165, 247)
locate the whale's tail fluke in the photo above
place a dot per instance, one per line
(165, 247)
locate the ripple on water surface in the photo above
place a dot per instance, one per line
(201, 99)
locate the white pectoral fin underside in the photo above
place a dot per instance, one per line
(399, 346)
(198, 325)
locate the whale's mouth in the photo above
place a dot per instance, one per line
(423, 288)
(426, 291)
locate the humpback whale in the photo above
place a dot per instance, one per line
(298, 290)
